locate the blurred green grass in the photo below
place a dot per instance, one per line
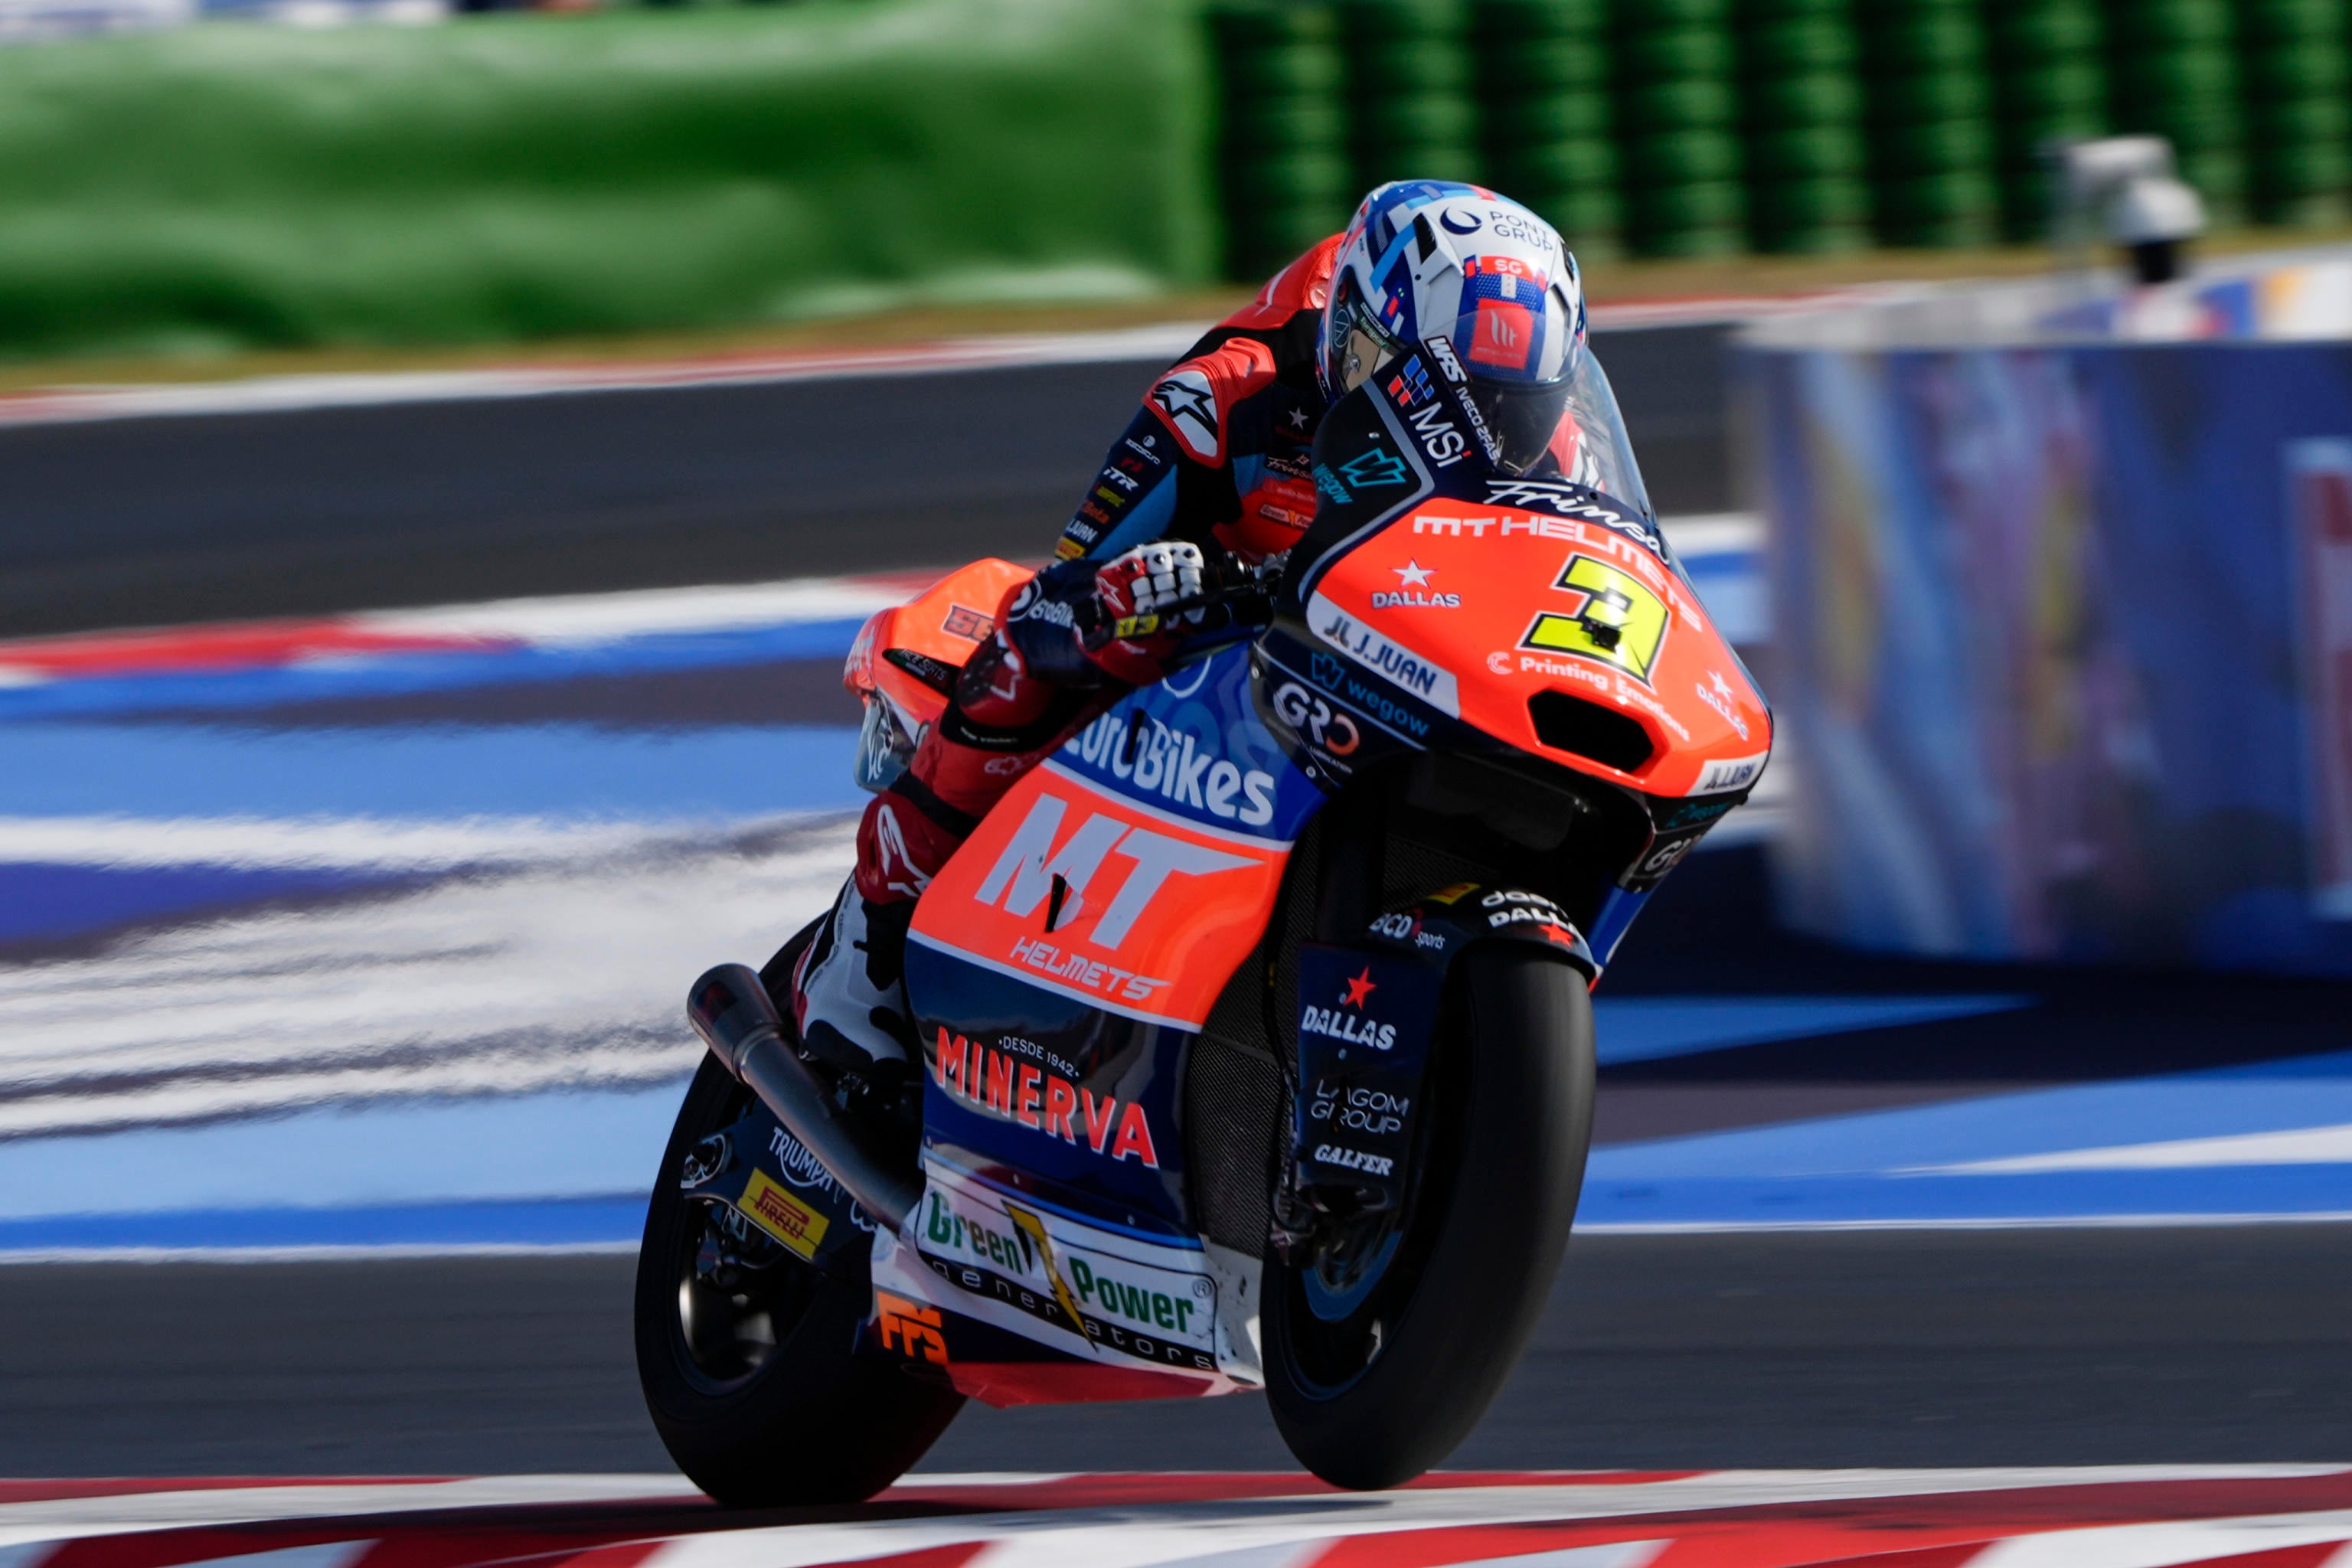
(229, 188)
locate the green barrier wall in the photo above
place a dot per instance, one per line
(1687, 127)
(511, 178)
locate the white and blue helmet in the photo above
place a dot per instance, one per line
(1431, 259)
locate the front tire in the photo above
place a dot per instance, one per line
(1374, 1385)
(754, 1390)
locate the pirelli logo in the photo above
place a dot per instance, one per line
(792, 1222)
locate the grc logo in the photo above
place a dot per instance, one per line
(1038, 863)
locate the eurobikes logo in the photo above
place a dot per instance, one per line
(1010, 1255)
(1175, 765)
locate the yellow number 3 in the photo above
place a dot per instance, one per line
(1621, 623)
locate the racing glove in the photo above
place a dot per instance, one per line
(1080, 620)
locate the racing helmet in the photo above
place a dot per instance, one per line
(1433, 259)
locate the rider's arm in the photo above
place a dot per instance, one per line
(1215, 457)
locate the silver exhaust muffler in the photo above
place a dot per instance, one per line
(732, 1012)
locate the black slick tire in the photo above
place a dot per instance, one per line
(811, 1424)
(1509, 1108)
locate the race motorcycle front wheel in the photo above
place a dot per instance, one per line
(744, 1351)
(1385, 1342)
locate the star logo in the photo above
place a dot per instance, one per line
(1360, 987)
(1722, 687)
(1298, 418)
(1415, 574)
(1184, 402)
(1191, 407)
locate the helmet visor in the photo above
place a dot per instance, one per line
(1521, 416)
(1356, 341)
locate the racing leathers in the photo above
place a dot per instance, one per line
(1213, 470)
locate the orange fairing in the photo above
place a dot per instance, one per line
(1101, 898)
(946, 623)
(1477, 609)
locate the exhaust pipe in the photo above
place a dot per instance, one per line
(730, 1010)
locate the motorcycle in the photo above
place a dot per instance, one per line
(1257, 1046)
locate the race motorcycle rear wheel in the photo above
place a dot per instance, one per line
(1385, 1345)
(747, 1372)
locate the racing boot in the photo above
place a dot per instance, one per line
(848, 990)
(850, 996)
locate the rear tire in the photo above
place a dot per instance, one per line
(760, 1422)
(1377, 1397)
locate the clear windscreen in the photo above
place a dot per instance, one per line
(1600, 454)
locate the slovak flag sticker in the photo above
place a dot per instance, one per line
(1504, 332)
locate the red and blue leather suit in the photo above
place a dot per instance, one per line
(1218, 456)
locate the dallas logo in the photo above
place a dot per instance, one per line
(1355, 1028)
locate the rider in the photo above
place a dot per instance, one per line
(1214, 470)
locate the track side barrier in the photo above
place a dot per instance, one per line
(2064, 642)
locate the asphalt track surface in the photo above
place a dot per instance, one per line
(1790, 1349)
(159, 521)
(1720, 1350)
